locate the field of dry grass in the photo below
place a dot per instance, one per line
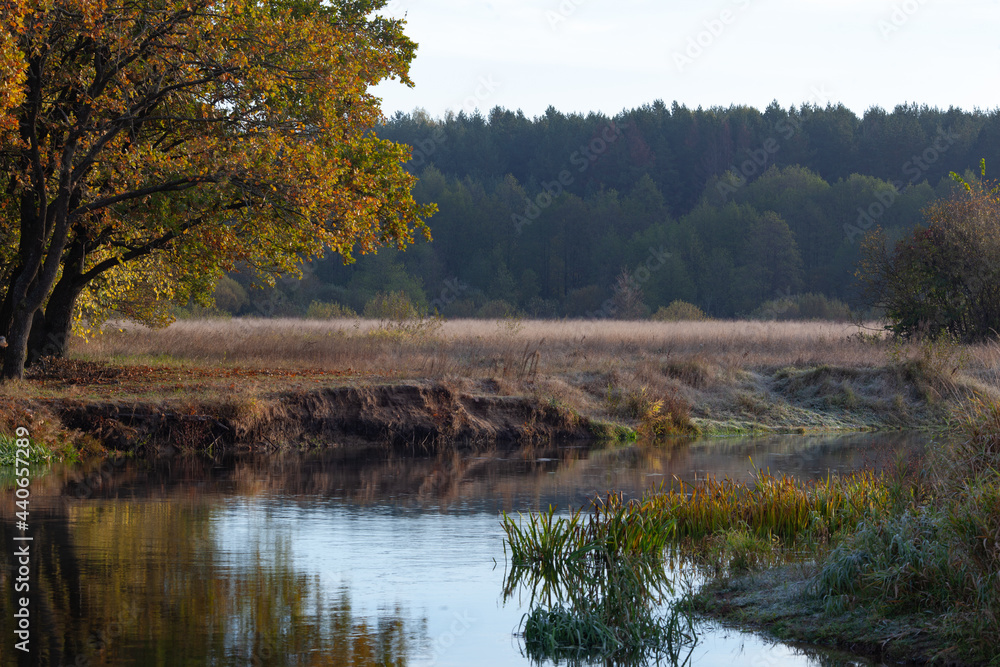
(726, 375)
(482, 348)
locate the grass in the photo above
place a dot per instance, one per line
(860, 560)
(913, 568)
(940, 553)
(774, 507)
(598, 575)
(656, 377)
(37, 454)
(485, 345)
(630, 380)
(597, 583)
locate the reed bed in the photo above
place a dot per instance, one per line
(597, 583)
(774, 507)
(597, 574)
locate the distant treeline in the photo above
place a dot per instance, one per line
(723, 208)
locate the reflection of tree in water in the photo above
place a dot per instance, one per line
(145, 583)
(563, 476)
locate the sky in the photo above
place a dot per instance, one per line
(611, 55)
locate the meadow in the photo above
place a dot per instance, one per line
(712, 376)
(879, 549)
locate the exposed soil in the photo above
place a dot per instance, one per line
(211, 408)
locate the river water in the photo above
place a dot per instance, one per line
(341, 556)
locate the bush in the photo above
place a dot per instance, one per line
(391, 306)
(807, 306)
(230, 296)
(943, 277)
(680, 311)
(497, 310)
(319, 310)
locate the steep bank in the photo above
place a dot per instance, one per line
(477, 389)
(409, 416)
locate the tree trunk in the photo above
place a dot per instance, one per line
(49, 333)
(33, 294)
(36, 338)
(17, 343)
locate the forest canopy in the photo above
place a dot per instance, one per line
(735, 210)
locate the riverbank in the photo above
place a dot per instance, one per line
(215, 385)
(220, 383)
(781, 603)
(917, 581)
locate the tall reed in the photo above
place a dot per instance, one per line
(597, 582)
(772, 506)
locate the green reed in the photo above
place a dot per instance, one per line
(597, 581)
(598, 578)
(770, 506)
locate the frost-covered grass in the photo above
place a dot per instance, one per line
(939, 554)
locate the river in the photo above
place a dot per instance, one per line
(341, 556)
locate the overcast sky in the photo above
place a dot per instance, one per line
(610, 55)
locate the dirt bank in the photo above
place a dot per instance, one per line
(409, 416)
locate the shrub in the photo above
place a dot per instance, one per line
(391, 306)
(680, 311)
(943, 277)
(230, 295)
(318, 310)
(626, 300)
(498, 309)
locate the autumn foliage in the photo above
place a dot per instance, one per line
(944, 277)
(156, 145)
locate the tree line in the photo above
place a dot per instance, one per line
(723, 208)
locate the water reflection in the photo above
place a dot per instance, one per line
(146, 583)
(331, 557)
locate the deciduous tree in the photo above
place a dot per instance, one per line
(160, 143)
(944, 277)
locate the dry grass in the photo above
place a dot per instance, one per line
(485, 346)
(740, 372)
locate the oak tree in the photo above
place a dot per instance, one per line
(159, 143)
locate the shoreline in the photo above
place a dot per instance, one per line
(473, 386)
(411, 416)
(511, 380)
(429, 416)
(776, 603)
(245, 408)
(94, 406)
